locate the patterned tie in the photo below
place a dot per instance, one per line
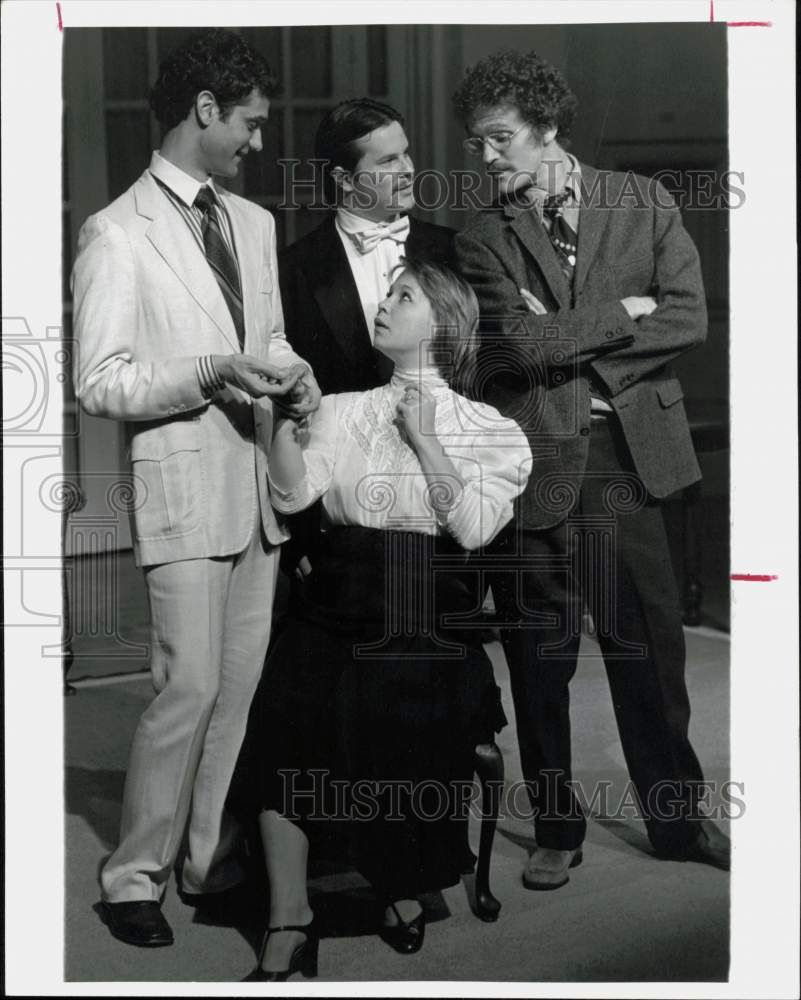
(563, 237)
(368, 239)
(221, 260)
(565, 242)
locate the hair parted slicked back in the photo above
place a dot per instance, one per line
(454, 339)
(335, 141)
(520, 80)
(211, 59)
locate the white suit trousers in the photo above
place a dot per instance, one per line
(210, 631)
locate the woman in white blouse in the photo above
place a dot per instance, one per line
(412, 475)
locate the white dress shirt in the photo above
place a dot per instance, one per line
(182, 189)
(368, 475)
(371, 271)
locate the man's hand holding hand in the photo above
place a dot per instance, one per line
(255, 377)
(304, 395)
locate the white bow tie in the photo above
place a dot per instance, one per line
(368, 239)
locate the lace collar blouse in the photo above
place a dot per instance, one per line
(367, 473)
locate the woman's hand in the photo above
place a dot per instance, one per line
(416, 414)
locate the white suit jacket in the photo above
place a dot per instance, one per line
(146, 304)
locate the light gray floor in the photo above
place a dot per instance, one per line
(624, 916)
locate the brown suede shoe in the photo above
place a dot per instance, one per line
(547, 868)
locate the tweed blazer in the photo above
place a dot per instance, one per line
(146, 304)
(537, 369)
(324, 318)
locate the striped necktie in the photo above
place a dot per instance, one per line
(221, 260)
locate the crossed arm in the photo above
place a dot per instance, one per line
(624, 340)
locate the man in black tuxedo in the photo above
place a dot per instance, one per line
(333, 278)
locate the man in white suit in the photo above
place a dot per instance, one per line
(180, 331)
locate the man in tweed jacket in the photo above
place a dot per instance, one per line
(589, 288)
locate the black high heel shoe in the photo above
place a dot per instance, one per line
(303, 959)
(405, 938)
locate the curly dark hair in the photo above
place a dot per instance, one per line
(211, 59)
(337, 133)
(521, 80)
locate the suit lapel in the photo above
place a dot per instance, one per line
(170, 236)
(335, 291)
(416, 242)
(534, 238)
(592, 221)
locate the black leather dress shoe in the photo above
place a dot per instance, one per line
(141, 923)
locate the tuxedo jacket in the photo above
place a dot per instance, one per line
(146, 304)
(324, 318)
(325, 325)
(537, 369)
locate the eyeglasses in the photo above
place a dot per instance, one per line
(499, 141)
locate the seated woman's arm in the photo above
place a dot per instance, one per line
(300, 474)
(287, 468)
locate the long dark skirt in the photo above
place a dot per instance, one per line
(370, 706)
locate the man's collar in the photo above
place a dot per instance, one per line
(573, 179)
(349, 222)
(177, 180)
(533, 198)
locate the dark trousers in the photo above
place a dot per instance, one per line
(611, 554)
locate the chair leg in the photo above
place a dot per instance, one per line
(68, 657)
(489, 768)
